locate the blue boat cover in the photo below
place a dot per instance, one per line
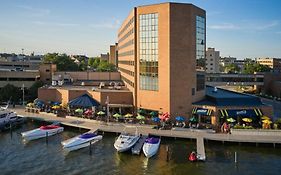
(87, 135)
(84, 101)
(152, 140)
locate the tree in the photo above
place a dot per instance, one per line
(83, 65)
(63, 62)
(104, 66)
(231, 68)
(33, 90)
(91, 61)
(10, 91)
(250, 68)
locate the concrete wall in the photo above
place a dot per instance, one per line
(65, 95)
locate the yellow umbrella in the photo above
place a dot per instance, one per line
(128, 115)
(30, 104)
(265, 118)
(247, 120)
(267, 121)
(56, 107)
(101, 113)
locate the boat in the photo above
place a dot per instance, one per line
(9, 119)
(81, 141)
(192, 157)
(43, 131)
(151, 146)
(126, 141)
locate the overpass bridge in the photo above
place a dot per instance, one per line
(223, 79)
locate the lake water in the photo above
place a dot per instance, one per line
(38, 157)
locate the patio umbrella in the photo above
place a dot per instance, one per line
(165, 116)
(247, 120)
(155, 119)
(267, 121)
(153, 113)
(117, 115)
(56, 107)
(265, 118)
(101, 113)
(88, 112)
(193, 119)
(141, 111)
(128, 115)
(30, 104)
(79, 110)
(140, 117)
(231, 120)
(180, 118)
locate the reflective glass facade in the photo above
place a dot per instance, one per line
(148, 51)
(200, 39)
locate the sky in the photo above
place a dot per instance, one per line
(238, 28)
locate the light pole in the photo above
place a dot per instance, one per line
(22, 94)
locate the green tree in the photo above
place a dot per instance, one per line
(91, 62)
(232, 68)
(96, 63)
(250, 68)
(63, 62)
(10, 91)
(83, 65)
(33, 90)
(104, 66)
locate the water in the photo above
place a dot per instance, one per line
(37, 157)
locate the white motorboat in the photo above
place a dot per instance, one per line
(7, 117)
(41, 132)
(125, 142)
(151, 146)
(81, 141)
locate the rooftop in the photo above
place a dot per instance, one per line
(222, 97)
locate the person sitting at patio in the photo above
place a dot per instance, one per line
(225, 128)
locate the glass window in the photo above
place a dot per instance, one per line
(200, 41)
(149, 52)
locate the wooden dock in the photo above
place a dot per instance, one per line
(201, 155)
(138, 146)
(255, 137)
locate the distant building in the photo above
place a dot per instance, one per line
(113, 55)
(212, 61)
(224, 61)
(104, 57)
(19, 78)
(273, 63)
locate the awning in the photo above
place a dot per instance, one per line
(84, 101)
(201, 111)
(241, 112)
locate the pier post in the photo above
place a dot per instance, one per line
(235, 157)
(90, 147)
(11, 130)
(273, 145)
(168, 153)
(47, 138)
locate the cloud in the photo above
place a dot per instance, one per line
(224, 26)
(113, 24)
(268, 25)
(42, 23)
(35, 11)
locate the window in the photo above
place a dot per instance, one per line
(47, 70)
(200, 39)
(200, 84)
(148, 52)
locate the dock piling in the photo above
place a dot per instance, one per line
(235, 157)
(11, 130)
(90, 147)
(168, 153)
(47, 138)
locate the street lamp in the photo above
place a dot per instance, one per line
(22, 94)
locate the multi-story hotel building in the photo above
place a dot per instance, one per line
(157, 50)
